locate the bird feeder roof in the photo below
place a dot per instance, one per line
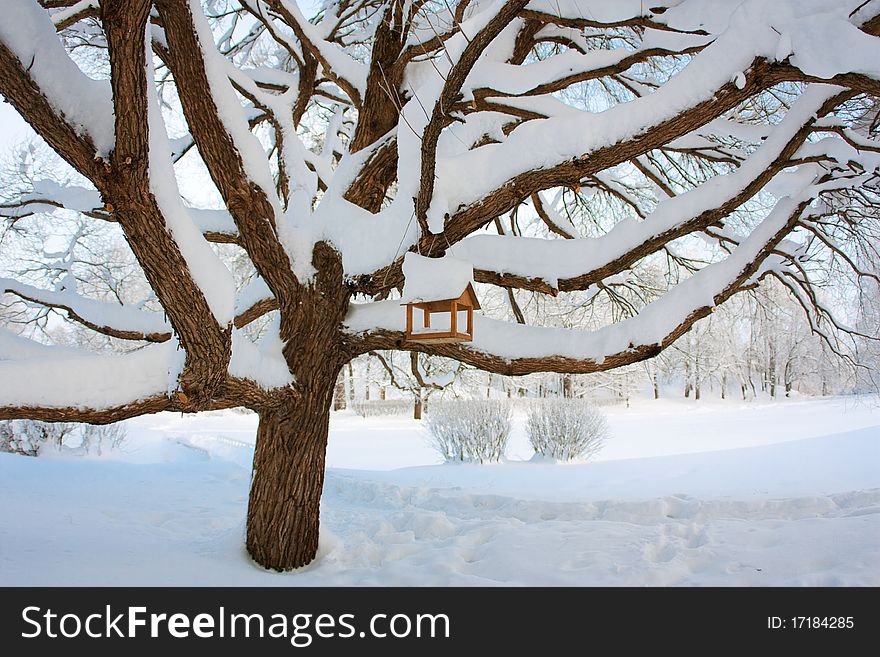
(436, 279)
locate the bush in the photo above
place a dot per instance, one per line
(566, 429)
(30, 437)
(475, 430)
(379, 407)
(101, 437)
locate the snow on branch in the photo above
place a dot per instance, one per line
(109, 319)
(84, 103)
(518, 349)
(64, 17)
(72, 112)
(85, 382)
(348, 74)
(578, 263)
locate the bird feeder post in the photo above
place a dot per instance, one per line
(470, 321)
(409, 319)
(427, 314)
(453, 320)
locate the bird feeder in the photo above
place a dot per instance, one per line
(440, 300)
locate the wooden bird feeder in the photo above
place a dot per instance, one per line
(442, 290)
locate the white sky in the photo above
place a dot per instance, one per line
(13, 129)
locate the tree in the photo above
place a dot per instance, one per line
(337, 144)
(418, 379)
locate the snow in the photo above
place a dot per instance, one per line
(85, 103)
(434, 279)
(66, 13)
(61, 378)
(754, 29)
(554, 259)
(605, 11)
(255, 291)
(212, 220)
(515, 79)
(258, 362)
(685, 493)
(809, 43)
(17, 347)
(71, 197)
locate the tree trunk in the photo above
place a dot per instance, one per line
(417, 408)
(567, 386)
(350, 382)
(283, 511)
(367, 383)
(771, 373)
(687, 377)
(288, 473)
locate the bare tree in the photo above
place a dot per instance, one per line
(337, 144)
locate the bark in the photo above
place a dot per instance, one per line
(283, 512)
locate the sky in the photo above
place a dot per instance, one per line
(13, 129)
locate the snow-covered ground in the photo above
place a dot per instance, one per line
(685, 493)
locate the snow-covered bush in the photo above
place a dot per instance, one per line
(474, 430)
(566, 429)
(30, 437)
(98, 438)
(379, 407)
